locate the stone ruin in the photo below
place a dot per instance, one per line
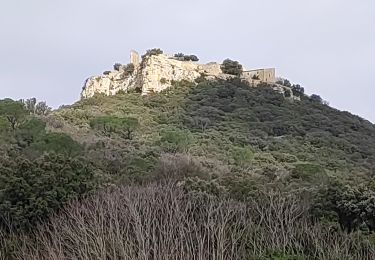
(157, 72)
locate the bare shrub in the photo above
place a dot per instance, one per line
(177, 166)
(54, 121)
(142, 223)
(163, 222)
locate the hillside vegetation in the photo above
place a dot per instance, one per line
(217, 170)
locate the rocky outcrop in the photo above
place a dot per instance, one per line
(154, 74)
(160, 70)
(110, 83)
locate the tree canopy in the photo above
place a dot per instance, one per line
(13, 111)
(231, 67)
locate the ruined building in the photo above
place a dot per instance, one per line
(157, 72)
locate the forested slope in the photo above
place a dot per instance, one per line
(213, 144)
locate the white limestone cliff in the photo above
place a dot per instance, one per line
(154, 74)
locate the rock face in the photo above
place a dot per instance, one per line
(159, 71)
(110, 83)
(156, 73)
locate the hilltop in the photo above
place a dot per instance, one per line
(156, 71)
(255, 165)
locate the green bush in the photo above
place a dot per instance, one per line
(151, 52)
(231, 67)
(351, 205)
(117, 66)
(4, 125)
(59, 143)
(311, 173)
(184, 57)
(13, 111)
(30, 131)
(176, 140)
(242, 155)
(31, 190)
(109, 125)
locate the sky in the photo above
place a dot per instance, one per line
(48, 48)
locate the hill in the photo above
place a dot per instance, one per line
(277, 177)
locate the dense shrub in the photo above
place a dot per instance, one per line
(242, 155)
(129, 69)
(185, 57)
(151, 52)
(30, 131)
(263, 118)
(175, 140)
(117, 66)
(171, 167)
(164, 222)
(231, 67)
(109, 125)
(31, 190)
(59, 143)
(13, 111)
(36, 108)
(351, 205)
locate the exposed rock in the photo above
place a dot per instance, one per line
(154, 74)
(160, 70)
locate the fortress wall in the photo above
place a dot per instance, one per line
(264, 75)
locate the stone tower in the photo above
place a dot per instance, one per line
(134, 58)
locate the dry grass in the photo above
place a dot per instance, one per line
(163, 222)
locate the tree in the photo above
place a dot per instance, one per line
(298, 90)
(36, 108)
(174, 140)
(30, 131)
(287, 93)
(13, 111)
(181, 56)
(353, 205)
(42, 109)
(193, 58)
(127, 126)
(59, 143)
(231, 67)
(284, 82)
(151, 52)
(316, 98)
(117, 66)
(129, 69)
(108, 125)
(201, 122)
(30, 105)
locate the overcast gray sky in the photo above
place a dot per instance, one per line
(48, 48)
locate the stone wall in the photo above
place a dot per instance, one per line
(134, 58)
(260, 75)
